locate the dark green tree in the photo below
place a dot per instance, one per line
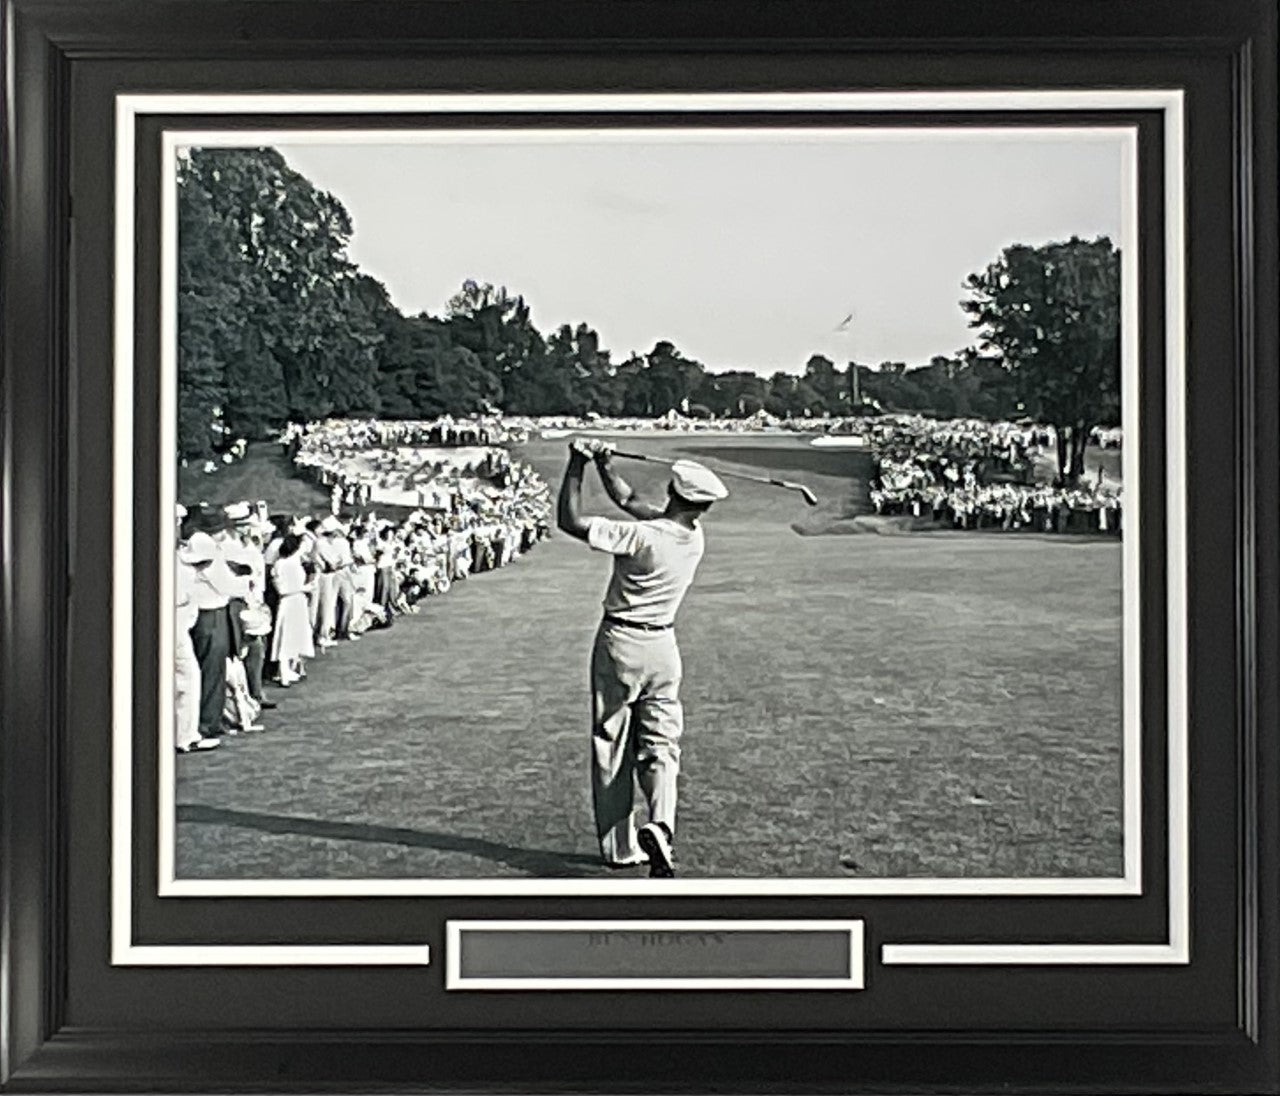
(1052, 313)
(211, 292)
(497, 328)
(734, 393)
(355, 387)
(896, 388)
(780, 395)
(574, 378)
(266, 300)
(424, 375)
(455, 382)
(790, 396)
(674, 379)
(827, 383)
(253, 388)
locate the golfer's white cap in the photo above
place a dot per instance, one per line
(199, 549)
(694, 482)
(332, 525)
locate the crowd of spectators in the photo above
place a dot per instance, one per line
(259, 595)
(391, 433)
(966, 473)
(972, 474)
(671, 422)
(1107, 437)
(415, 463)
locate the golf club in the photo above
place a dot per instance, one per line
(808, 495)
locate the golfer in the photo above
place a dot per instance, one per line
(636, 716)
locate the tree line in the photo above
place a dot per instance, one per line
(276, 324)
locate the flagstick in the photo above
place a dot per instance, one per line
(844, 331)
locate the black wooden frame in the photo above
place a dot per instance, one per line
(43, 41)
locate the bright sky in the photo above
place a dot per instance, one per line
(744, 253)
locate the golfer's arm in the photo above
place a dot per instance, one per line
(624, 494)
(569, 511)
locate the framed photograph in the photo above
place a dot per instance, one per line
(596, 547)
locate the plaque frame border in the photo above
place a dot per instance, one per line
(455, 980)
(42, 40)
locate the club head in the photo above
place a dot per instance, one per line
(809, 496)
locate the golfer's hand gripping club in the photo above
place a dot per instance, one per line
(591, 448)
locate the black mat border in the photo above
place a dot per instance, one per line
(1125, 919)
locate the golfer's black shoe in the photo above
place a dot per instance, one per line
(655, 839)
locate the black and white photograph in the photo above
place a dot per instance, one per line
(741, 507)
(586, 547)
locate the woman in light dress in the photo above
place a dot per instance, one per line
(292, 640)
(363, 572)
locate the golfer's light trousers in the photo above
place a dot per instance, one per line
(636, 722)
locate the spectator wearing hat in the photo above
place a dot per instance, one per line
(637, 719)
(250, 619)
(328, 559)
(292, 640)
(344, 585)
(385, 586)
(186, 667)
(362, 573)
(214, 585)
(278, 529)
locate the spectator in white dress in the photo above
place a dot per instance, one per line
(292, 640)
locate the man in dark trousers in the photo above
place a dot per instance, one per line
(214, 587)
(243, 554)
(636, 715)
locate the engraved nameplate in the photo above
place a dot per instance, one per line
(695, 955)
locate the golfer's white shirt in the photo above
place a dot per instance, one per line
(653, 564)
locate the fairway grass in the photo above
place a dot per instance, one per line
(939, 705)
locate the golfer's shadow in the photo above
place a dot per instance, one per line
(539, 862)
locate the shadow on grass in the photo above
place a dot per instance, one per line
(538, 862)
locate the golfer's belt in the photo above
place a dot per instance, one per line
(642, 625)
